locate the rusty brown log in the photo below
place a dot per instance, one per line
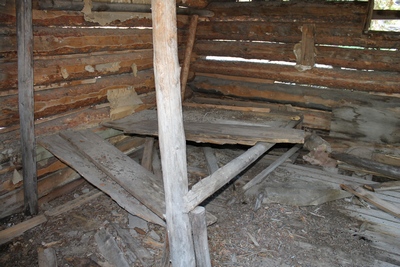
(76, 18)
(301, 96)
(353, 80)
(64, 68)
(291, 11)
(60, 41)
(335, 56)
(348, 35)
(63, 99)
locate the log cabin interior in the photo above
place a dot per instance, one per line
(310, 89)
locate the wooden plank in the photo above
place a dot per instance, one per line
(19, 229)
(26, 104)
(219, 133)
(373, 199)
(263, 174)
(188, 54)
(70, 155)
(109, 249)
(135, 179)
(172, 137)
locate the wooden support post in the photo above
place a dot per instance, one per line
(26, 104)
(199, 229)
(171, 133)
(188, 54)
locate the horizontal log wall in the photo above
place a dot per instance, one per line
(257, 42)
(75, 63)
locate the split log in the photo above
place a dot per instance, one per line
(352, 80)
(26, 104)
(47, 257)
(387, 170)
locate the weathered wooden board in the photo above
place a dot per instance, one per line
(135, 179)
(71, 155)
(218, 133)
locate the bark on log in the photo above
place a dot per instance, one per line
(172, 139)
(353, 80)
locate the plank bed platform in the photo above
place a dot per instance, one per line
(219, 126)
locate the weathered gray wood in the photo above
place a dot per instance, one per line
(373, 199)
(135, 179)
(67, 153)
(199, 230)
(209, 185)
(148, 153)
(188, 54)
(212, 162)
(259, 178)
(218, 133)
(109, 249)
(26, 104)
(141, 252)
(172, 137)
(385, 169)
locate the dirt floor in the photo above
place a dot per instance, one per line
(274, 235)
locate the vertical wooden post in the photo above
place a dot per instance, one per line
(171, 134)
(199, 228)
(26, 103)
(188, 53)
